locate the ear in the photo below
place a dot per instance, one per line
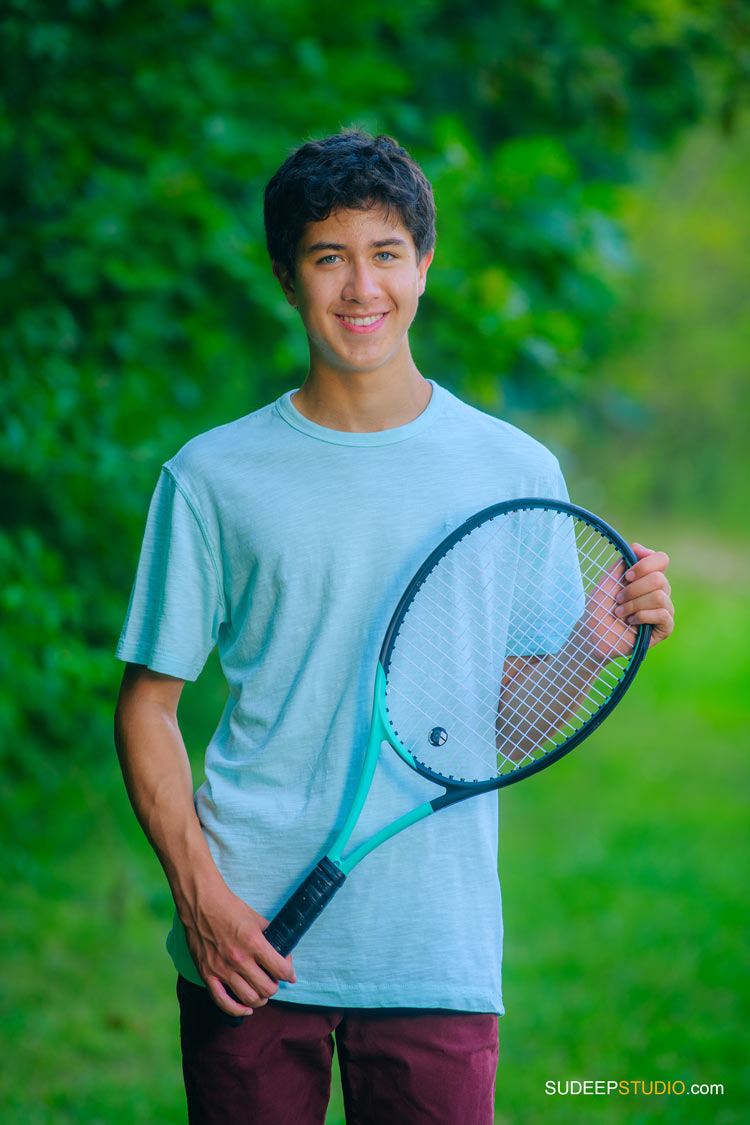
(286, 281)
(422, 269)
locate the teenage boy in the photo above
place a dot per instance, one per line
(285, 538)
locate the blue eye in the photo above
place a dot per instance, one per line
(384, 255)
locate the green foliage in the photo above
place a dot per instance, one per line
(662, 433)
(136, 141)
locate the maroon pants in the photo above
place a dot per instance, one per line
(398, 1066)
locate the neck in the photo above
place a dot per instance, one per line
(363, 402)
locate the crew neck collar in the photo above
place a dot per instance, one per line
(288, 411)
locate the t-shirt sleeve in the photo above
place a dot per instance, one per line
(548, 597)
(176, 606)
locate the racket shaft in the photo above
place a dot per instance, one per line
(302, 908)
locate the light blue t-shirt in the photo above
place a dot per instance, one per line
(288, 545)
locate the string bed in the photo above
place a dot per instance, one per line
(509, 646)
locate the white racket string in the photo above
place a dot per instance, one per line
(509, 645)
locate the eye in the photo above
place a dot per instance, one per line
(384, 255)
(328, 259)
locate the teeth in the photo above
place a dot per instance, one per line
(362, 320)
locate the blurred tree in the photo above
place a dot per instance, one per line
(662, 435)
(136, 140)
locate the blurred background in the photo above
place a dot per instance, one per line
(591, 166)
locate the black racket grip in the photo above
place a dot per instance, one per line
(297, 915)
(302, 908)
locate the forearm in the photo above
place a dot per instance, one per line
(157, 776)
(224, 934)
(539, 695)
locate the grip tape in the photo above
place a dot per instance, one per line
(297, 915)
(303, 906)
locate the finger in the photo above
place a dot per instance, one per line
(271, 961)
(252, 987)
(661, 621)
(259, 975)
(225, 998)
(647, 564)
(650, 584)
(654, 599)
(292, 977)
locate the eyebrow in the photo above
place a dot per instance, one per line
(318, 246)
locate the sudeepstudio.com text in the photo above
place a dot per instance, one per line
(625, 1087)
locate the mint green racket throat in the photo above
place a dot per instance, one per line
(380, 732)
(326, 878)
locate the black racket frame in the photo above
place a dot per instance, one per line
(457, 790)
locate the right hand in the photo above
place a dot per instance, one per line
(226, 942)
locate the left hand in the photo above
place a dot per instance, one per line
(646, 600)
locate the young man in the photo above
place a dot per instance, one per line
(285, 538)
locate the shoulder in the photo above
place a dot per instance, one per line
(221, 452)
(499, 440)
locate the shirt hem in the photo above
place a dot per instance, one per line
(319, 998)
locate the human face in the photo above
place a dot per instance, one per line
(357, 285)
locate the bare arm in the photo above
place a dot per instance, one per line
(540, 693)
(224, 935)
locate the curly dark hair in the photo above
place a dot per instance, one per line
(346, 171)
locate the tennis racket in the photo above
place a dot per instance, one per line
(502, 655)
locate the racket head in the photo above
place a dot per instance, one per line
(521, 593)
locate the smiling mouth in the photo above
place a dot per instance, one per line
(362, 323)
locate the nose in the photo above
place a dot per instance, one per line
(361, 284)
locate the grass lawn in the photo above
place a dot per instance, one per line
(622, 871)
